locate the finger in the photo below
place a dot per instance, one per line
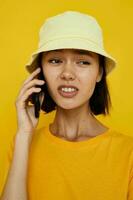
(30, 84)
(21, 101)
(33, 74)
(41, 99)
(29, 101)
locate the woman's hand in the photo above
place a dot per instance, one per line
(25, 113)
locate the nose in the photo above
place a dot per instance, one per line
(67, 72)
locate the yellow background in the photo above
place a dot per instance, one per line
(20, 22)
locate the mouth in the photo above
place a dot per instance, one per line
(68, 91)
(68, 94)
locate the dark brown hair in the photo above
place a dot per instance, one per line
(100, 101)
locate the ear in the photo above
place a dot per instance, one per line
(100, 75)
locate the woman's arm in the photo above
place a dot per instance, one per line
(16, 183)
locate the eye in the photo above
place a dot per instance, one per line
(85, 62)
(54, 61)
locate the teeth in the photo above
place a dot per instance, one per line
(68, 89)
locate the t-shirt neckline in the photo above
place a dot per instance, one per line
(71, 144)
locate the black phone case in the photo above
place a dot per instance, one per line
(35, 96)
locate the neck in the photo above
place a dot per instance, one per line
(75, 126)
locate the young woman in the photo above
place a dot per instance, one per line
(75, 157)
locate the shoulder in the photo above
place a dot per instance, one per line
(121, 142)
(121, 136)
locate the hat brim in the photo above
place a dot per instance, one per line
(71, 43)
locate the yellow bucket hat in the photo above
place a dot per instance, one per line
(71, 30)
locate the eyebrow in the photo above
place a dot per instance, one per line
(77, 51)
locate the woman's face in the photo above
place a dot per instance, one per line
(75, 67)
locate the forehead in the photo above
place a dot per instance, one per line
(73, 51)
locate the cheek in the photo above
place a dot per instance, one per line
(48, 74)
(50, 77)
(88, 84)
(88, 78)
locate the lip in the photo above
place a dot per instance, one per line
(68, 94)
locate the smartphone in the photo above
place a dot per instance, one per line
(34, 97)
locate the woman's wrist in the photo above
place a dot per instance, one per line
(23, 137)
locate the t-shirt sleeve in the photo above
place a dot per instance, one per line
(5, 163)
(130, 187)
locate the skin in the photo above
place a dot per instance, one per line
(73, 120)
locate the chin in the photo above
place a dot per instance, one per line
(68, 105)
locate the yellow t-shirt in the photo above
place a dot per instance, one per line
(100, 168)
